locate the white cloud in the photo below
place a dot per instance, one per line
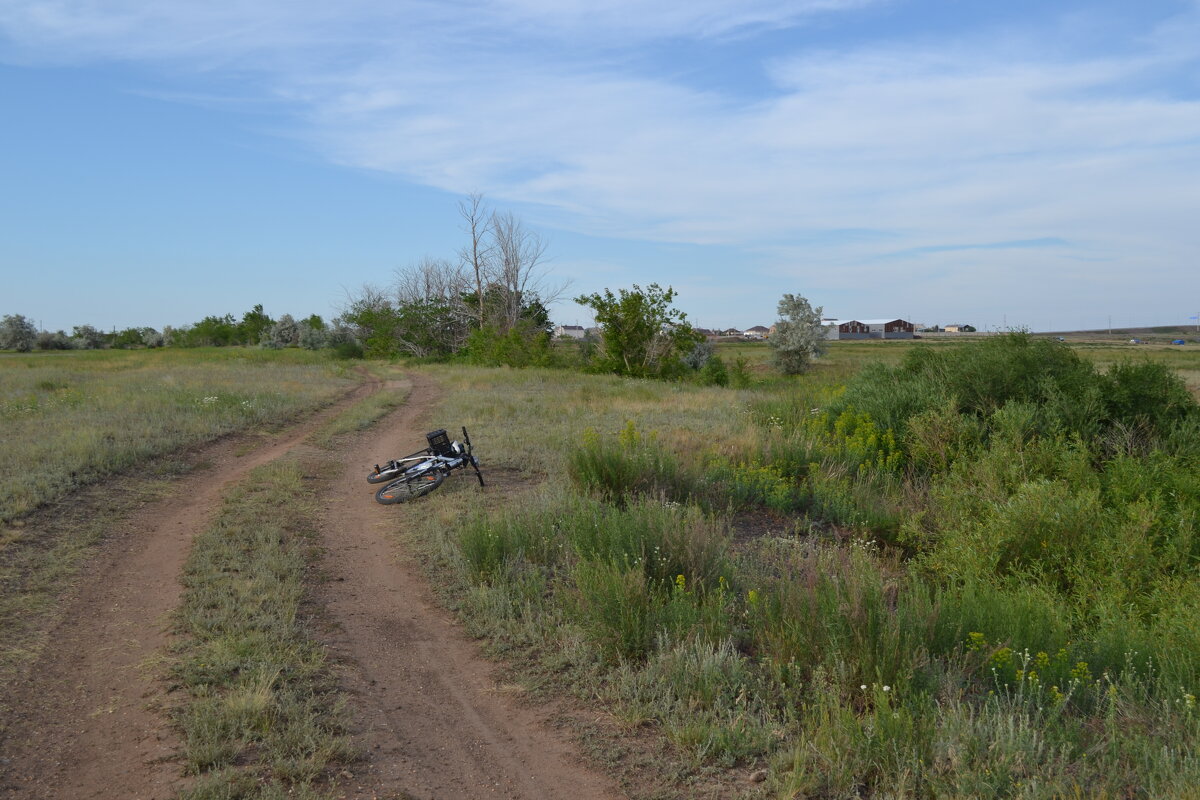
(542, 102)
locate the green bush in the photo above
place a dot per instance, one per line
(524, 345)
(981, 378)
(714, 373)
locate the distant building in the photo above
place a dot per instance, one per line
(845, 329)
(959, 329)
(889, 328)
(569, 331)
(757, 332)
(867, 329)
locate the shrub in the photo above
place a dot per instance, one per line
(700, 354)
(521, 346)
(714, 373)
(799, 336)
(348, 349)
(311, 338)
(284, 333)
(54, 341)
(981, 378)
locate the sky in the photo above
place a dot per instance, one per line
(1018, 164)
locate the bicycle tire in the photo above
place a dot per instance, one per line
(385, 475)
(410, 487)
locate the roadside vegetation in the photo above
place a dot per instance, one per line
(262, 716)
(971, 572)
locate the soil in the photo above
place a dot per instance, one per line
(432, 716)
(88, 719)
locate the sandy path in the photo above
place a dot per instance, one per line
(88, 715)
(432, 721)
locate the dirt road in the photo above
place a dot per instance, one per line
(431, 723)
(431, 716)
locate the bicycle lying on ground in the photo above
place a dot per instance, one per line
(419, 474)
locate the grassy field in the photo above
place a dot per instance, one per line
(855, 580)
(989, 606)
(70, 419)
(844, 358)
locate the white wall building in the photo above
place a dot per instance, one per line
(570, 331)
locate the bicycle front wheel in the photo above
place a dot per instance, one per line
(410, 487)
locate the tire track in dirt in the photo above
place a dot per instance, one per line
(431, 719)
(88, 719)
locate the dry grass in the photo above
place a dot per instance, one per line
(71, 419)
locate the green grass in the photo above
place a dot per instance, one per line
(263, 717)
(1035, 643)
(70, 419)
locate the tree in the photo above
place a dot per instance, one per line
(496, 288)
(519, 278)
(642, 335)
(504, 262)
(434, 319)
(87, 338)
(54, 341)
(476, 254)
(284, 333)
(799, 336)
(212, 331)
(254, 324)
(17, 333)
(371, 315)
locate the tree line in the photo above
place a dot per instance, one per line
(488, 304)
(255, 327)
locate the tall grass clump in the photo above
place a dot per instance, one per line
(626, 575)
(628, 465)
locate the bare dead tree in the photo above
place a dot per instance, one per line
(431, 279)
(519, 273)
(478, 253)
(498, 281)
(429, 297)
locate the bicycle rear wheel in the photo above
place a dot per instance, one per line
(388, 472)
(410, 487)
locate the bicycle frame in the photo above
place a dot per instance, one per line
(407, 470)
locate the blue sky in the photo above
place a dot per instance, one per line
(1024, 163)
